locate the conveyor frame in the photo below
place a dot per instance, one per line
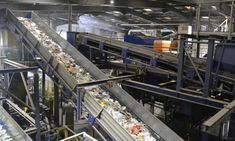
(50, 64)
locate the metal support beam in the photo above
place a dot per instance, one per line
(19, 66)
(102, 81)
(43, 86)
(79, 104)
(198, 49)
(56, 101)
(17, 70)
(230, 28)
(70, 18)
(27, 90)
(179, 81)
(198, 18)
(219, 117)
(37, 112)
(16, 98)
(209, 67)
(191, 98)
(194, 66)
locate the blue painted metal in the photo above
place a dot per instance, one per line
(36, 103)
(68, 92)
(209, 67)
(186, 108)
(233, 92)
(175, 94)
(124, 55)
(216, 78)
(71, 38)
(91, 119)
(191, 73)
(49, 137)
(129, 60)
(56, 101)
(79, 104)
(148, 41)
(204, 136)
(29, 15)
(179, 81)
(224, 54)
(153, 62)
(101, 45)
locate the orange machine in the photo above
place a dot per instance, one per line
(165, 45)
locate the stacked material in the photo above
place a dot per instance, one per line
(4, 133)
(136, 128)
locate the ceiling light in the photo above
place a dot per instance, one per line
(146, 13)
(214, 7)
(116, 12)
(117, 15)
(111, 1)
(188, 7)
(167, 18)
(205, 17)
(138, 10)
(148, 10)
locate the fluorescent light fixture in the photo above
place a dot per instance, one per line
(146, 13)
(138, 10)
(148, 10)
(111, 1)
(188, 7)
(116, 12)
(167, 18)
(205, 17)
(214, 7)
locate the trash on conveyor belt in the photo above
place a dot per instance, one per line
(136, 128)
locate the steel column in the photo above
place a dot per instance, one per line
(209, 67)
(79, 104)
(43, 86)
(198, 49)
(56, 101)
(70, 18)
(230, 30)
(37, 112)
(198, 20)
(180, 64)
(204, 136)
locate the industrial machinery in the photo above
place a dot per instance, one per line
(106, 83)
(164, 42)
(186, 86)
(86, 85)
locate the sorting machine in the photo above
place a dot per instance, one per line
(55, 70)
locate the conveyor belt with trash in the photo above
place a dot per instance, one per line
(9, 129)
(71, 67)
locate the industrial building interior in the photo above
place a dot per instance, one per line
(122, 70)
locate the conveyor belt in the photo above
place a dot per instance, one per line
(11, 127)
(105, 120)
(132, 49)
(145, 54)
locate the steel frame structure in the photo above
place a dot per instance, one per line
(130, 53)
(54, 69)
(6, 71)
